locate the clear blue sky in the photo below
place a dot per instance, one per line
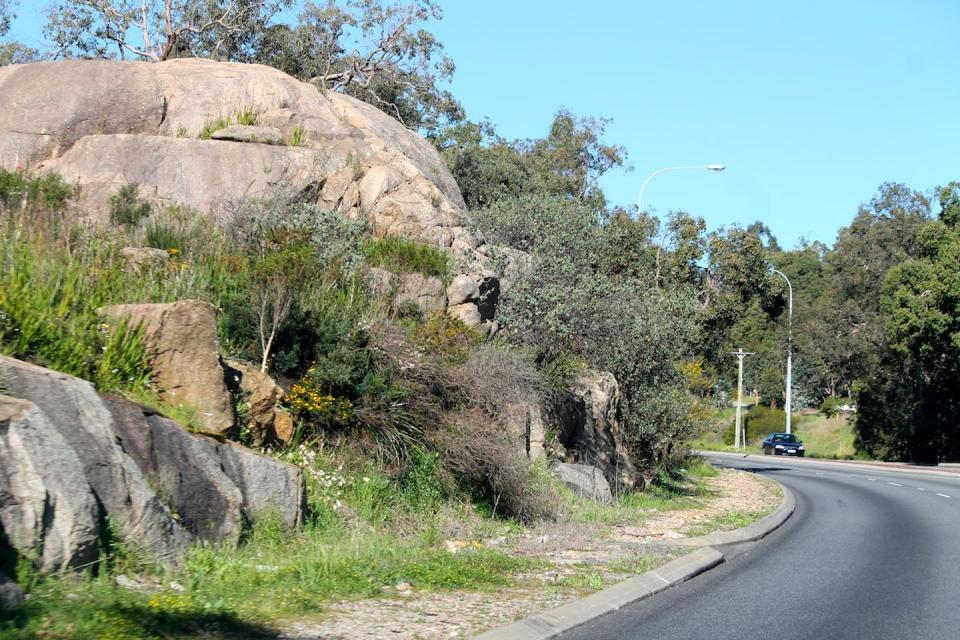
(811, 105)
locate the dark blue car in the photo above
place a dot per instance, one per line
(782, 444)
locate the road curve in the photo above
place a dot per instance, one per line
(869, 554)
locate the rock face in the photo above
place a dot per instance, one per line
(584, 480)
(591, 429)
(211, 486)
(70, 458)
(266, 420)
(184, 356)
(106, 123)
(526, 420)
(45, 500)
(247, 133)
(11, 595)
(426, 293)
(72, 407)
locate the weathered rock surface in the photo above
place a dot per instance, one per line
(424, 292)
(467, 313)
(591, 429)
(462, 289)
(584, 480)
(70, 458)
(181, 339)
(211, 486)
(141, 259)
(249, 133)
(11, 595)
(103, 124)
(46, 504)
(107, 123)
(73, 408)
(526, 419)
(262, 397)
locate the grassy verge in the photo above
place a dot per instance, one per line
(371, 534)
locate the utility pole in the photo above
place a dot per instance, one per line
(741, 354)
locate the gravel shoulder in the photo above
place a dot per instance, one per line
(583, 553)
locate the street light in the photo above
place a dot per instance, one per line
(708, 167)
(789, 344)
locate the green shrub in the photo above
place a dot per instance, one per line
(759, 421)
(400, 255)
(44, 191)
(831, 406)
(126, 207)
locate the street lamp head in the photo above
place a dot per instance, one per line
(716, 167)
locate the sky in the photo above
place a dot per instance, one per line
(810, 105)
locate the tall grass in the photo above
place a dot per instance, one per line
(49, 296)
(406, 256)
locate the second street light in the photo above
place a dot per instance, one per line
(789, 346)
(708, 167)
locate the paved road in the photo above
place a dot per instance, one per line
(868, 554)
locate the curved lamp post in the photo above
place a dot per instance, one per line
(708, 167)
(789, 345)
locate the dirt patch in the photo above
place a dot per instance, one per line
(574, 558)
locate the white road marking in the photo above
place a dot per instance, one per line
(895, 484)
(872, 479)
(943, 495)
(920, 489)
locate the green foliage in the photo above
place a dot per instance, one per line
(48, 303)
(759, 422)
(154, 30)
(44, 192)
(906, 408)
(247, 115)
(423, 489)
(401, 255)
(298, 137)
(580, 301)
(377, 51)
(126, 207)
(213, 126)
(831, 406)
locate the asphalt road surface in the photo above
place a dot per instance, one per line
(868, 554)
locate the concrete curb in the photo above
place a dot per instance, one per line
(553, 622)
(749, 533)
(564, 618)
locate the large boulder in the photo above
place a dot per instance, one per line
(591, 428)
(47, 507)
(70, 459)
(107, 123)
(181, 340)
(74, 410)
(212, 486)
(103, 124)
(11, 595)
(426, 293)
(584, 480)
